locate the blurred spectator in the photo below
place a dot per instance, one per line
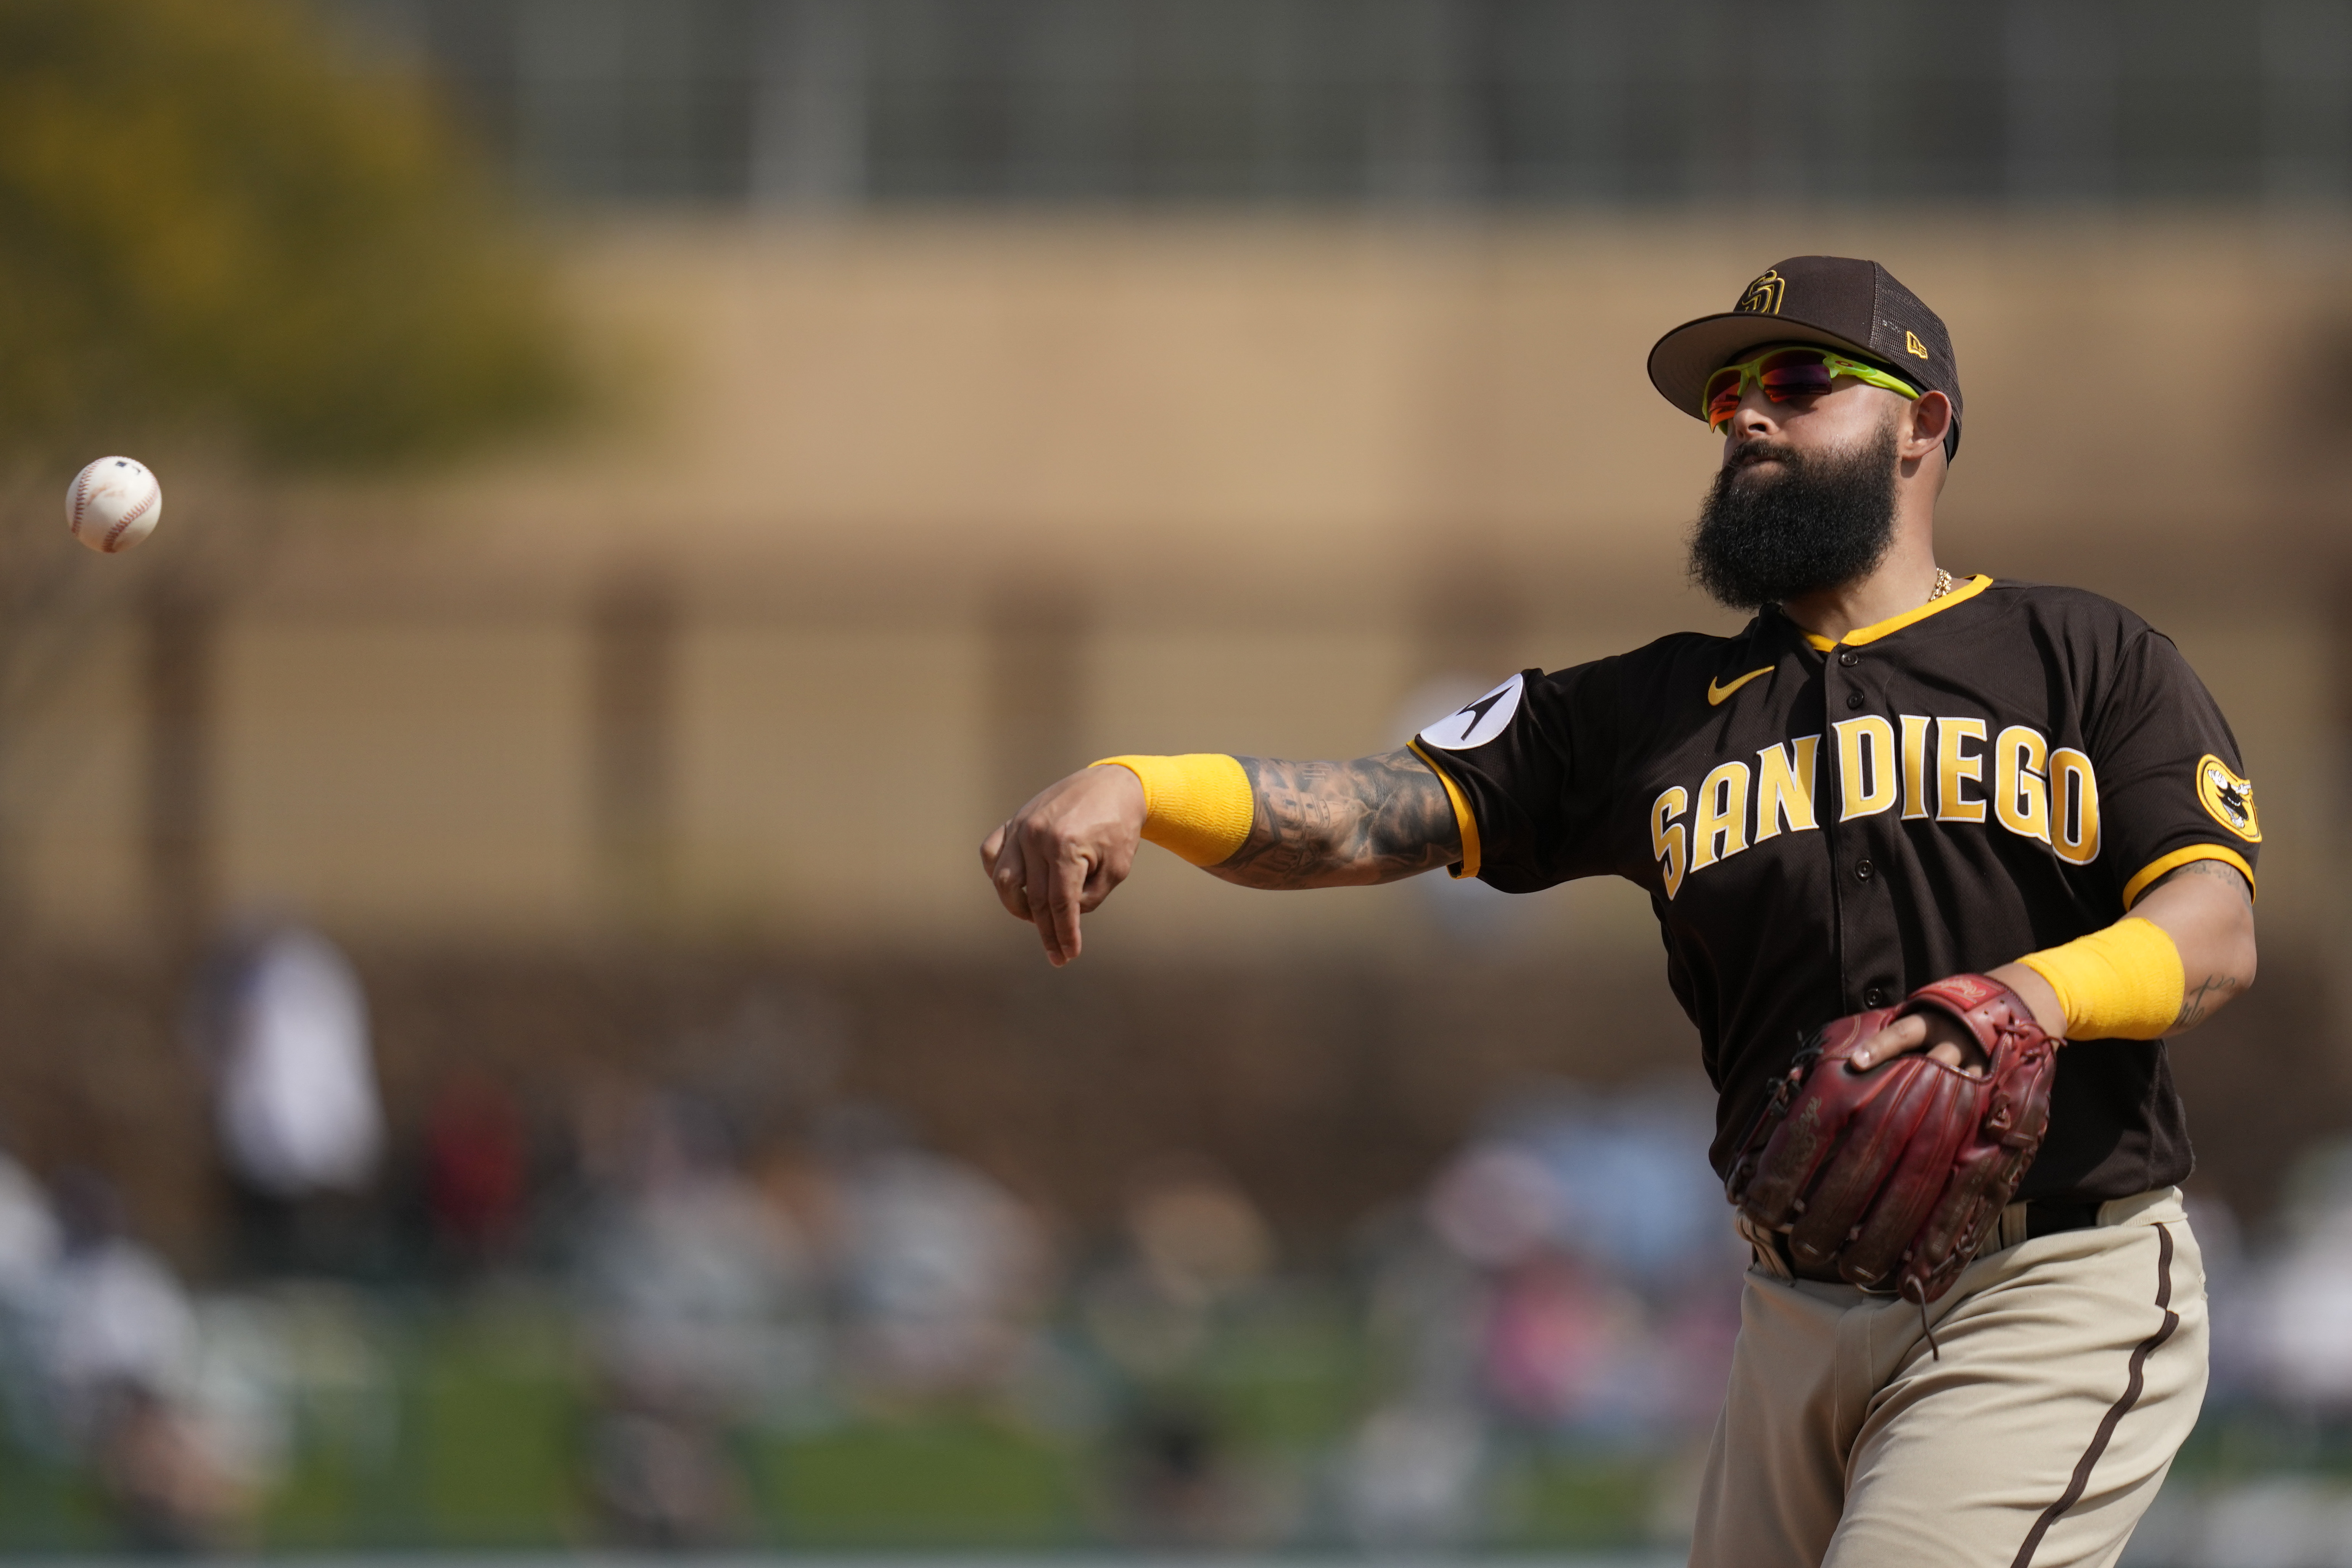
(476, 1169)
(1569, 1346)
(1622, 1178)
(702, 1306)
(1195, 1246)
(119, 1347)
(298, 1102)
(2237, 1356)
(661, 1474)
(113, 1315)
(283, 1023)
(1194, 1240)
(1178, 1483)
(29, 1236)
(1611, 1265)
(1412, 1477)
(163, 1490)
(30, 1240)
(1570, 1274)
(941, 1271)
(1198, 1234)
(2299, 1310)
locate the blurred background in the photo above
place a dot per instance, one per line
(502, 1040)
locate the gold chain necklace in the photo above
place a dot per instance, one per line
(1943, 586)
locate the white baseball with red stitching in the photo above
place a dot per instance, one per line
(114, 503)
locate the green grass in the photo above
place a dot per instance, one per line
(320, 1502)
(47, 1506)
(483, 1450)
(1290, 1378)
(956, 1481)
(1575, 1498)
(475, 1437)
(497, 1411)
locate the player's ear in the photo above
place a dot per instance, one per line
(1930, 420)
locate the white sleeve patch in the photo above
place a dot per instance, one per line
(1475, 723)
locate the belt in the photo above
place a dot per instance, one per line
(2043, 1218)
(2040, 1217)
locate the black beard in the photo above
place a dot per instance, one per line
(1823, 520)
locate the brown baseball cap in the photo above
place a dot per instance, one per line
(1838, 301)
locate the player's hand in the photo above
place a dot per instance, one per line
(1943, 1038)
(1061, 855)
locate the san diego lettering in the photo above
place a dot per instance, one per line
(2013, 778)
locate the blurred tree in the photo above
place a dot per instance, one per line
(226, 246)
(212, 226)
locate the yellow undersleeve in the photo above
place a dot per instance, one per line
(1199, 805)
(2121, 983)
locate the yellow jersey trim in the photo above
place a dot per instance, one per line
(1893, 624)
(1717, 692)
(1463, 823)
(2180, 858)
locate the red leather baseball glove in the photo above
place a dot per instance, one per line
(1892, 1176)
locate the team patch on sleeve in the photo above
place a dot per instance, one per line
(1475, 723)
(2228, 798)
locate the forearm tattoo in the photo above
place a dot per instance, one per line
(1321, 825)
(2203, 995)
(2210, 993)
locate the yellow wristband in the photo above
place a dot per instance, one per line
(2121, 983)
(1200, 805)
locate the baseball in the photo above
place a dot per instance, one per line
(114, 503)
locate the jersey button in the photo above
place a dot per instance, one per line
(1854, 698)
(1848, 658)
(1874, 997)
(1861, 870)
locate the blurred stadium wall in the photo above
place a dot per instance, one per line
(997, 385)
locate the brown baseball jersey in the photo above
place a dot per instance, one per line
(1823, 827)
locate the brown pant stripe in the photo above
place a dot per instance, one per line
(2132, 1387)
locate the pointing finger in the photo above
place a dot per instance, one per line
(1037, 893)
(1060, 916)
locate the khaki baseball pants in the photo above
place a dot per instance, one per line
(2072, 1369)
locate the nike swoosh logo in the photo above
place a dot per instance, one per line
(1717, 691)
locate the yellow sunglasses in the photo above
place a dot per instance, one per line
(1802, 371)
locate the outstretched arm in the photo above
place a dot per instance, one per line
(1312, 824)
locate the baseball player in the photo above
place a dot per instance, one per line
(2000, 800)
